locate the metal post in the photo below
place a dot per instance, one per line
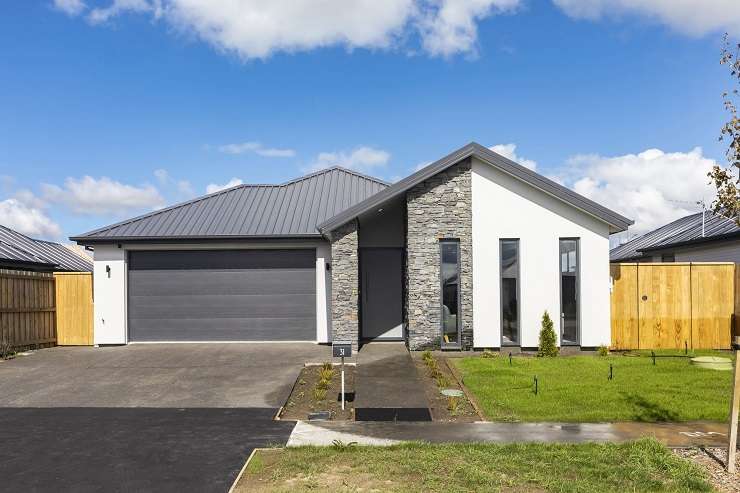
(342, 383)
(734, 409)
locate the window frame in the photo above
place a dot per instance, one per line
(458, 318)
(518, 342)
(578, 291)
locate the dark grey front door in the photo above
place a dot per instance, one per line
(222, 295)
(381, 274)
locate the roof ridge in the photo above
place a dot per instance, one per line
(335, 168)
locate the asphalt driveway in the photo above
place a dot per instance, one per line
(181, 417)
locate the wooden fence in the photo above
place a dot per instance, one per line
(27, 308)
(673, 305)
(43, 309)
(74, 302)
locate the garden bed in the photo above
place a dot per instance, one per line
(437, 376)
(307, 396)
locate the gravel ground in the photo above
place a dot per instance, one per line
(712, 460)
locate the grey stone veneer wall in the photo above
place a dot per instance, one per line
(345, 270)
(440, 207)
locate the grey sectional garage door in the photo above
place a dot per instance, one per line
(222, 295)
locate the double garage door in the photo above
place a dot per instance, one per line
(222, 295)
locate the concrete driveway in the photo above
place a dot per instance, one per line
(179, 417)
(157, 375)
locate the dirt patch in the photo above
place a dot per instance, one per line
(260, 476)
(304, 399)
(443, 408)
(712, 461)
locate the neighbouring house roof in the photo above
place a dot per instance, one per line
(681, 232)
(292, 209)
(616, 221)
(18, 249)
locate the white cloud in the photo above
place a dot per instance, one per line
(257, 148)
(88, 195)
(653, 187)
(101, 15)
(509, 152)
(694, 17)
(26, 219)
(258, 28)
(70, 7)
(450, 26)
(185, 188)
(362, 158)
(213, 187)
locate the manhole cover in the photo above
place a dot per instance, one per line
(712, 363)
(451, 393)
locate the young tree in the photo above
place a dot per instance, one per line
(548, 339)
(727, 179)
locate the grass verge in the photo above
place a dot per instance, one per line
(644, 465)
(578, 389)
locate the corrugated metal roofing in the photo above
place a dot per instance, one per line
(616, 221)
(16, 255)
(292, 209)
(679, 232)
(16, 247)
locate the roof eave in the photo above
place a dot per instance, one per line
(85, 240)
(694, 241)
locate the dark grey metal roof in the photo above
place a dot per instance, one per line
(292, 209)
(684, 231)
(616, 221)
(18, 248)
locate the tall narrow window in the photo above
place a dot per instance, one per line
(509, 292)
(450, 284)
(569, 333)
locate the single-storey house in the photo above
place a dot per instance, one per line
(19, 252)
(467, 252)
(701, 237)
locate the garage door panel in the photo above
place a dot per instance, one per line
(222, 329)
(220, 282)
(218, 306)
(222, 295)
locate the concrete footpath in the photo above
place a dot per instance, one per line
(675, 435)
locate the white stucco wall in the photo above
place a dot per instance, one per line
(109, 294)
(111, 297)
(505, 207)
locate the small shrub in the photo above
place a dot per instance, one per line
(426, 356)
(323, 384)
(603, 351)
(453, 404)
(341, 446)
(442, 381)
(548, 340)
(6, 348)
(326, 373)
(319, 394)
(488, 354)
(327, 366)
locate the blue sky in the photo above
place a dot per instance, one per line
(112, 108)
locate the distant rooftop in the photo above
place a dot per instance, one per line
(18, 250)
(681, 232)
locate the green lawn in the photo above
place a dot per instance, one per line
(639, 466)
(577, 389)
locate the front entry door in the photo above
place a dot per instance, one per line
(381, 275)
